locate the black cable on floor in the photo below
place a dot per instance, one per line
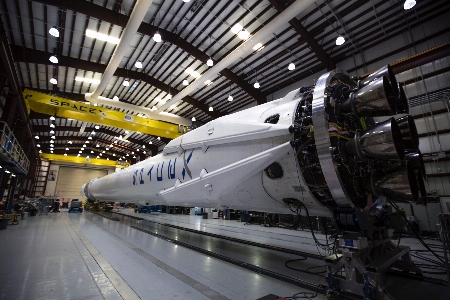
(302, 295)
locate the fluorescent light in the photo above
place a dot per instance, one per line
(230, 98)
(257, 85)
(209, 62)
(243, 34)
(102, 37)
(193, 119)
(185, 82)
(126, 82)
(211, 108)
(87, 80)
(157, 37)
(236, 28)
(258, 47)
(138, 64)
(409, 4)
(115, 98)
(291, 67)
(53, 59)
(54, 31)
(208, 82)
(53, 80)
(340, 40)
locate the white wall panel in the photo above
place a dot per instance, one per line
(70, 180)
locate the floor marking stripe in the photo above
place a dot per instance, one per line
(125, 291)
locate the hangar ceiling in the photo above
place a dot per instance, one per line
(191, 33)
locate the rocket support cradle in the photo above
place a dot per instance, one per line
(318, 150)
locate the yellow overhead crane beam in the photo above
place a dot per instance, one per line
(65, 108)
(84, 160)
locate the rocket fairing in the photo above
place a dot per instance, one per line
(317, 148)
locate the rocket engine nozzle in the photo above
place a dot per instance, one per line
(383, 141)
(409, 133)
(372, 100)
(402, 184)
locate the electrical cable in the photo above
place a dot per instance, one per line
(414, 231)
(302, 295)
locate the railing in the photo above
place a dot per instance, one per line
(12, 156)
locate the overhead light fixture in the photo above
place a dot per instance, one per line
(193, 119)
(93, 132)
(97, 146)
(36, 137)
(134, 156)
(143, 146)
(256, 85)
(128, 154)
(103, 151)
(132, 152)
(174, 106)
(102, 37)
(126, 132)
(115, 98)
(230, 98)
(87, 156)
(208, 82)
(97, 127)
(53, 80)
(291, 67)
(52, 126)
(87, 80)
(185, 82)
(51, 151)
(82, 148)
(186, 1)
(53, 59)
(80, 151)
(409, 4)
(67, 149)
(114, 154)
(70, 142)
(243, 34)
(51, 142)
(157, 37)
(54, 31)
(98, 156)
(154, 108)
(87, 142)
(138, 64)
(52, 132)
(38, 145)
(169, 96)
(209, 62)
(150, 142)
(52, 118)
(340, 40)
(65, 154)
(53, 137)
(126, 82)
(92, 151)
(106, 149)
(120, 137)
(158, 138)
(78, 155)
(107, 158)
(258, 47)
(192, 73)
(90, 138)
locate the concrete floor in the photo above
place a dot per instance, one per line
(84, 256)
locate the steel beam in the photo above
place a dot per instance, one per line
(304, 33)
(81, 160)
(104, 14)
(41, 57)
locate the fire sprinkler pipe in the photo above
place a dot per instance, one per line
(292, 11)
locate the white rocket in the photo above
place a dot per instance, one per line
(318, 147)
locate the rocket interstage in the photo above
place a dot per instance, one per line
(319, 147)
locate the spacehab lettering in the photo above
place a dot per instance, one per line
(82, 108)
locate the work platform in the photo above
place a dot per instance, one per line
(112, 256)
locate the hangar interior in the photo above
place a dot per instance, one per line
(312, 139)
